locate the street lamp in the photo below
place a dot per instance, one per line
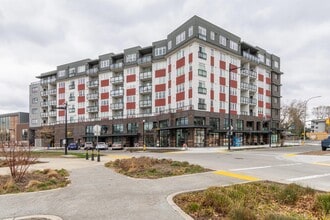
(306, 101)
(65, 106)
(144, 147)
(229, 107)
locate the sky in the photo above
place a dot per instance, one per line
(38, 35)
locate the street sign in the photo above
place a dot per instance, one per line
(97, 130)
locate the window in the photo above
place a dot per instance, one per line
(181, 37)
(81, 93)
(35, 89)
(233, 76)
(132, 128)
(131, 98)
(261, 58)
(35, 100)
(222, 56)
(160, 51)
(131, 112)
(34, 121)
(180, 88)
(233, 45)
(222, 89)
(212, 35)
(267, 61)
(222, 105)
(81, 81)
(276, 65)
(180, 71)
(201, 104)
(105, 63)
(233, 91)
(202, 33)
(233, 106)
(222, 40)
(215, 124)
(199, 120)
(117, 128)
(169, 45)
(201, 53)
(61, 73)
(190, 31)
(180, 54)
(160, 95)
(81, 69)
(130, 58)
(182, 121)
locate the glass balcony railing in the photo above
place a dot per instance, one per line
(117, 79)
(116, 106)
(92, 96)
(116, 66)
(92, 84)
(146, 75)
(144, 60)
(145, 103)
(145, 89)
(117, 92)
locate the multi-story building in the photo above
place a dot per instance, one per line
(173, 92)
(14, 128)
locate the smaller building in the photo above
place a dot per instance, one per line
(14, 128)
(318, 125)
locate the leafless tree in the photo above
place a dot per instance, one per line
(292, 117)
(321, 112)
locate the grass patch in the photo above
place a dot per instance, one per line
(35, 181)
(57, 154)
(152, 168)
(257, 200)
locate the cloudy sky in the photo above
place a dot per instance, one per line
(38, 35)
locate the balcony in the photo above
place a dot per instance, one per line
(117, 80)
(252, 101)
(46, 81)
(116, 66)
(71, 86)
(252, 88)
(72, 98)
(202, 90)
(144, 61)
(245, 72)
(44, 104)
(44, 114)
(93, 84)
(52, 92)
(117, 106)
(245, 100)
(72, 110)
(245, 86)
(146, 75)
(145, 89)
(253, 74)
(52, 114)
(93, 71)
(93, 96)
(201, 106)
(92, 109)
(52, 102)
(117, 92)
(202, 55)
(244, 113)
(145, 103)
(250, 57)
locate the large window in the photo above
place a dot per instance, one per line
(181, 37)
(233, 45)
(215, 124)
(130, 58)
(160, 51)
(202, 32)
(104, 63)
(190, 31)
(81, 69)
(222, 40)
(132, 128)
(117, 128)
(182, 121)
(199, 121)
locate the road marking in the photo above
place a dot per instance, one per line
(264, 167)
(290, 155)
(323, 164)
(309, 177)
(118, 156)
(235, 175)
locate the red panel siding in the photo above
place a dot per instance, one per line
(222, 97)
(260, 90)
(131, 78)
(169, 99)
(212, 77)
(233, 112)
(190, 76)
(104, 108)
(61, 101)
(260, 104)
(160, 102)
(268, 105)
(81, 111)
(233, 67)
(222, 81)
(105, 95)
(212, 61)
(61, 113)
(222, 65)
(212, 94)
(169, 68)
(81, 87)
(233, 99)
(81, 98)
(180, 79)
(61, 90)
(212, 109)
(160, 73)
(268, 81)
(160, 87)
(233, 83)
(180, 96)
(260, 77)
(190, 93)
(130, 105)
(190, 58)
(104, 82)
(180, 62)
(130, 92)
(222, 111)
(169, 84)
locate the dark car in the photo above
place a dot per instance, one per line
(325, 143)
(73, 146)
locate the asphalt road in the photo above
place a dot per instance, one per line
(99, 193)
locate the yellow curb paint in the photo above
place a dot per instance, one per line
(235, 175)
(290, 155)
(322, 164)
(118, 156)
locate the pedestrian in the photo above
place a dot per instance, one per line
(185, 147)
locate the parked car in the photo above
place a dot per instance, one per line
(88, 146)
(73, 146)
(325, 143)
(117, 146)
(101, 146)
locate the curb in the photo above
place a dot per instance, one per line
(39, 217)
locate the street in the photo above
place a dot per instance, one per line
(99, 193)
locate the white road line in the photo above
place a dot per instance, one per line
(264, 167)
(308, 177)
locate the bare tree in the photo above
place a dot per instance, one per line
(292, 117)
(321, 112)
(18, 159)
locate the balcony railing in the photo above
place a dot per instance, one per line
(253, 101)
(201, 106)
(48, 80)
(145, 89)
(72, 98)
(91, 109)
(116, 66)
(117, 79)
(92, 96)
(245, 100)
(144, 60)
(92, 71)
(52, 113)
(202, 90)
(253, 74)
(202, 55)
(250, 57)
(244, 113)
(52, 102)
(117, 92)
(245, 86)
(146, 75)
(44, 114)
(72, 110)
(92, 84)
(71, 86)
(245, 72)
(252, 87)
(44, 104)
(145, 103)
(116, 106)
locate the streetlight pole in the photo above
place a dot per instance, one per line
(65, 107)
(144, 146)
(229, 100)
(306, 101)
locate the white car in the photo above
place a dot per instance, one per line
(101, 146)
(117, 146)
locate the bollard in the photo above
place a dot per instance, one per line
(144, 147)
(98, 155)
(92, 154)
(86, 154)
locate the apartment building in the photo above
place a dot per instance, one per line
(175, 91)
